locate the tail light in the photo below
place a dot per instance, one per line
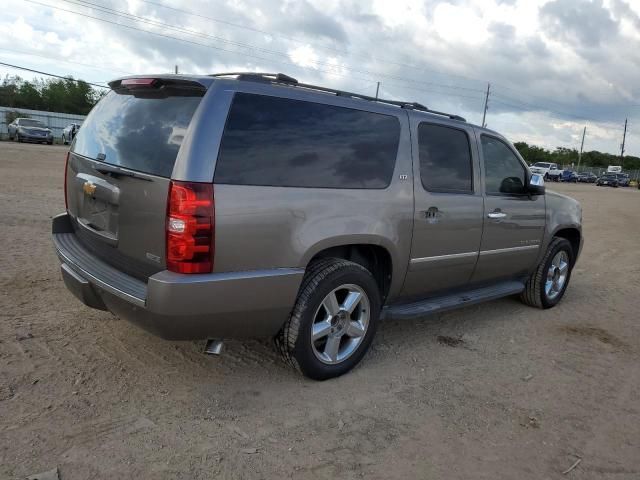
(66, 165)
(190, 227)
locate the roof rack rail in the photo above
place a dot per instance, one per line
(286, 79)
(258, 76)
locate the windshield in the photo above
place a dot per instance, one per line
(541, 164)
(139, 133)
(27, 122)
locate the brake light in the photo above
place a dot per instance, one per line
(66, 165)
(190, 227)
(138, 82)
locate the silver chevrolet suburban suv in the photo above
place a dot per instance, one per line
(253, 205)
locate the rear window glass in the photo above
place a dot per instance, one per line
(274, 141)
(142, 134)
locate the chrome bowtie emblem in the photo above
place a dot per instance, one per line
(89, 188)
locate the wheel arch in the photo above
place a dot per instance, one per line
(573, 235)
(375, 257)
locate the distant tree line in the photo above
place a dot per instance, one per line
(51, 95)
(77, 97)
(568, 156)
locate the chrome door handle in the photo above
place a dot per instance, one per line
(496, 215)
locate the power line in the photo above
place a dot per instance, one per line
(546, 108)
(192, 42)
(304, 42)
(347, 54)
(131, 17)
(187, 31)
(604, 126)
(60, 59)
(51, 74)
(185, 40)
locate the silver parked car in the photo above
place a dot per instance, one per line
(251, 205)
(29, 130)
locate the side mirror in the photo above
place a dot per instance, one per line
(536, 184)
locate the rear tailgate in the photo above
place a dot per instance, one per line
(119, 171)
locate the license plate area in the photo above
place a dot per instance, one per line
(98, 202)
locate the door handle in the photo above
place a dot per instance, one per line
(496, 215)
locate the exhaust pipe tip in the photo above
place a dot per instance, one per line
(213, 347)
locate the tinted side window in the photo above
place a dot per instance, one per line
(274, 141)
(504, 173)
(445, 159)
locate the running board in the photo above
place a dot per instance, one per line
(451, 301)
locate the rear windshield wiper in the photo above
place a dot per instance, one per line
(118, 172)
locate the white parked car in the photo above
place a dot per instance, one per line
(69, 132)
(548, 170)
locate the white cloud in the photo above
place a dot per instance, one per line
(544, 68)
(304, 56)
(459, 24)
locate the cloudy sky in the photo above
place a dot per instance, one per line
(554, 66)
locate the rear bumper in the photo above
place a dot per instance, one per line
(248, 304)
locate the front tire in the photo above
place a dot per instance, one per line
(547, 284)
(333, 321)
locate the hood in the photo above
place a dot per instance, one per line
(558, 201)
(36, 129)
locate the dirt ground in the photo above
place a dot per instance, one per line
(493, 391)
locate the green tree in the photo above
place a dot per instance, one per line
(11, 115)
(54, 95)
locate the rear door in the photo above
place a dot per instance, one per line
(448, 208)
(119, 169)
(514, 221)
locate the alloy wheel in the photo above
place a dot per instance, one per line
(340, 324)
(557, 275)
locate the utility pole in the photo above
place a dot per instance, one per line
(581, 147)
(176, 69)
(377, 90)
(486, 105)
(624, 137)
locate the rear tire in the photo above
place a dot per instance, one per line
(547, 284)
(64, 140)
(333, 321)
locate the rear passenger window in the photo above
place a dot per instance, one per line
(445, 159)
(274, 141)
(504, 172)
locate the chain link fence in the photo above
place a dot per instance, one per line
(633, 174)
(54, 120)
